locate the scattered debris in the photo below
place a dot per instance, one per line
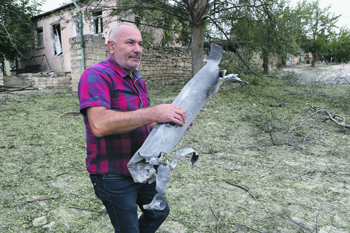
(12, 89)
(38, 222)
(49, 225)
(66, 113)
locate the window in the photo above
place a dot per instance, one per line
(39, 38)
(76, 26)
(56, 39)
(97, 22)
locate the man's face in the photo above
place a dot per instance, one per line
(127, 49)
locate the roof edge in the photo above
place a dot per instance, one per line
(51, 11)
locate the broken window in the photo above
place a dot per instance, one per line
(39, 38)
(56, 39)
(97, 22)
(76, 26)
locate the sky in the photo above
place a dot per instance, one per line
(53, 4)
(337, 6)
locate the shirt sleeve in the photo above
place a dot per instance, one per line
(94, 89)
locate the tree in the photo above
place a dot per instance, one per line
(318, 28)
(265, 27)
(178, 15)
(16, 27)
(182, 21)
(339, 46)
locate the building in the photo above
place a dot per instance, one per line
(52, 31)
(57, 60)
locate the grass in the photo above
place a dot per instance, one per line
(247, 136)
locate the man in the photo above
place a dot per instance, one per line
(115, 106)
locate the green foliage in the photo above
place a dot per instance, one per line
(171, 17)
(231, 62)
(266, 29)
(338, 46)
(16, 27)
(318, 25)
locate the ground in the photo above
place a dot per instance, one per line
(266, 164)
(322, 72)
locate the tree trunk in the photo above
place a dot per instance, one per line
(197, 48)
(198, 9)
(314, 57)
(265, 55)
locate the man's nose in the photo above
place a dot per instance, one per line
(137, 48)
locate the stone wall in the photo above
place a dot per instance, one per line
(95, 51)
(39, 80)
(166, 65)
(159, 65)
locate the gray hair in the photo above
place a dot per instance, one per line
(113, 32)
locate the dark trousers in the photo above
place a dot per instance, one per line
(121, 196)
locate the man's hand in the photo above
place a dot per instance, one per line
(105, 122)
(165, 113)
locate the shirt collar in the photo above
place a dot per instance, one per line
(122, 73)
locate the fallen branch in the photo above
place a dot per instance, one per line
(298, 224)
(248, 227)
(342, 124)
(78, 208)
(61, 174)
(342, 170)
(294, 169)
(219, 219)
(88, 198)
(242, 188)
(302, 122)
(66, 113)
(317, 216)
(214, 213)
(42, 199)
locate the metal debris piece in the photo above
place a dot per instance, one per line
(149, 163)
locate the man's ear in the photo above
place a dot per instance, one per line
(110, 45)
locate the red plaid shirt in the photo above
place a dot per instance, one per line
(98, 84)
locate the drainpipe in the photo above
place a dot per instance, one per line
(118, 17)
(82, 44)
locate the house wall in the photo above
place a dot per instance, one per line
(58, 63)
(66, 17)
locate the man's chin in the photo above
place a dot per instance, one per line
(134, 65)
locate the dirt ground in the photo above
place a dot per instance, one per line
(268, 163)
(329, 74)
